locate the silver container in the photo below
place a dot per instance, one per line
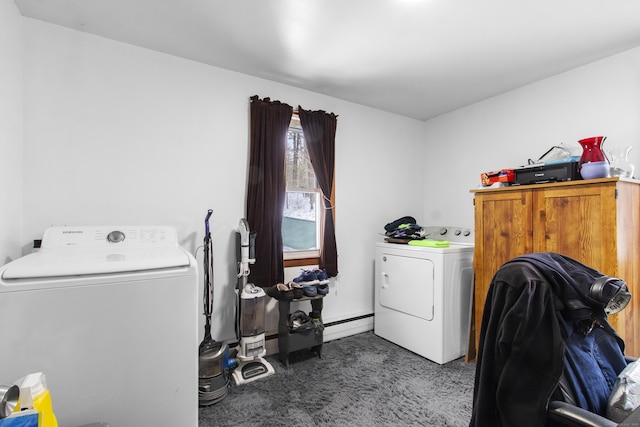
(9, 395)
(211, 359)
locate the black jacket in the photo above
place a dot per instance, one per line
(521, 348)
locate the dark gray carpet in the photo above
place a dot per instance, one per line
(361, 380)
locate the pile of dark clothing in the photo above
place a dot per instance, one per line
(403, 230)
(300, 322)
(533, 333)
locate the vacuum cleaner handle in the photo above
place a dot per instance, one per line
(206, 222)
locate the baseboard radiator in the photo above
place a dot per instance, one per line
(341, 328)
(332, 331)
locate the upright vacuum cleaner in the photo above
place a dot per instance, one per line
(251, 314)
(214, 362)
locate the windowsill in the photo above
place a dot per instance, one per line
(301, 254)
(299, 258)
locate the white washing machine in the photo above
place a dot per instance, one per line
(110, 316)
(423, 294)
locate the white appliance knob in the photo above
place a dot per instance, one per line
(467, 232)
(115, 236)
(457, 233)
(443, 231)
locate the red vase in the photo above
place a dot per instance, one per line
(591, 149)
(593, 163)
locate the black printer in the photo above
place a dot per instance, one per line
(540, 173)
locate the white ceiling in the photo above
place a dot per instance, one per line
(417, 58)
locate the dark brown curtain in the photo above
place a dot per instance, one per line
(267, 187)
(319, 130)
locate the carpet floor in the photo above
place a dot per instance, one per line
(361, 380)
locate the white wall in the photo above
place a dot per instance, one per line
(602, 98)
(116, 134)
(10, 131)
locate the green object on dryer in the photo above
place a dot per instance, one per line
(430, 243)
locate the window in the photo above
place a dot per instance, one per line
(303, 207)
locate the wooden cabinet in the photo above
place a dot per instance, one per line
(595, 221)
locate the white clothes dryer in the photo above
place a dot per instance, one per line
(110, 316)
(423, 294)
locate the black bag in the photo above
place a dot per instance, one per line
(398, 222)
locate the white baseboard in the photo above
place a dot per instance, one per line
(346, 329)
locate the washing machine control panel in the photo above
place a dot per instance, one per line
(450, 233)
(109, 236)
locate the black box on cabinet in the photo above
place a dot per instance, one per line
(542, 173)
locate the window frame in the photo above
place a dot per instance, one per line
(309, 257)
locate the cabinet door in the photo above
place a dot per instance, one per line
(503, 230)
(627, 322)
(579, 222)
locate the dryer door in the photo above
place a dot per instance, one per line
(406, 285)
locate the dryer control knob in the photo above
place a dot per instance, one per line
(466, 233)
(443, 231)
(115, 236)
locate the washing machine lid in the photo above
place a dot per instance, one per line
(76, 262)
(75, 251)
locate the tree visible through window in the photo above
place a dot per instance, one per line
(302, 211)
